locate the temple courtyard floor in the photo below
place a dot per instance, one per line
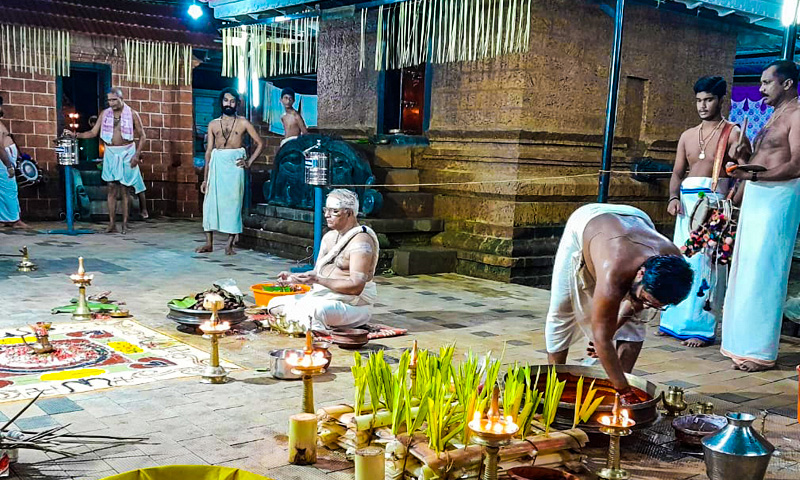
(244, 423)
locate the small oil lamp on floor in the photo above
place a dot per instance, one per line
(214, 329)
(25, 265)
(615, 426)
(308, 364)
(492, 432)
(82, 280)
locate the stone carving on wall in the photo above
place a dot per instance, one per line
(287, 185)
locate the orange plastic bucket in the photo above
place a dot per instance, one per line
(263, 297)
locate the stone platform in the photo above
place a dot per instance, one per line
(244, 423)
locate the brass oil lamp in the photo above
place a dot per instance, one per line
(615, 426)
(213, 329)
(82, 280)
(492, 432)
(308, 364)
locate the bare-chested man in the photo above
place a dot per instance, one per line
(342, 288)
(611, 265)
(226, 160)
(116, 127)
(293, 123)
(9, 194)
(693, 177)
(767, 229)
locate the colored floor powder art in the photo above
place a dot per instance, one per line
(90, 356)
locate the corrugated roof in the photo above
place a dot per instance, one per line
(116, 18)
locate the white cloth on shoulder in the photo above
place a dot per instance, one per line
(572, 287)
(328, 309)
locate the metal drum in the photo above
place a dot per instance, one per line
(317, 165)
(28, 173)
(67, 150)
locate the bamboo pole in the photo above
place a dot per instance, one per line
(303, 439)
(369, 463)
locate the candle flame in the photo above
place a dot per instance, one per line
(477, 417)
(498, 428)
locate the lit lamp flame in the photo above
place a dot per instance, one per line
(494, 423)
(619, 418)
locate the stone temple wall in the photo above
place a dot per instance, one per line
(540, 114)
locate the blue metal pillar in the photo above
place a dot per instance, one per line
(611, 105)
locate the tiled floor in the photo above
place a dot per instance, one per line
(243, 423)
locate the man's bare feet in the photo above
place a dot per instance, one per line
(660, 333)
(145, 215)
(111, 229)
(695, 343)
(124, 228)
(204, 249)
(20, 224)
(748, 366)
(229, 250)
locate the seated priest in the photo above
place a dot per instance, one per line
(342, 290)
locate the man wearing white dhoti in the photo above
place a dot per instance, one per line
(699, 171)
(226, 161)
(9, 195)
(117, 127)
(343, 290)
(768, 222)
(611, 265)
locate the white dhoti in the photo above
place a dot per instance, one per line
(287, 139)
(9, 194)
(690, 319)
(324, 309)
(328, 310)
(572, 286)
(117, 167)
(222, 207)
(762, 256)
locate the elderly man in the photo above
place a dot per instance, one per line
(9, 200)
(116, 127)
(768, 222)
(342, 291)
(610, 266)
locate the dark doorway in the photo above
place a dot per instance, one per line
(83, 92)
(404, 100)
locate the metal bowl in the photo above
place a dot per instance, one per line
(191, 319)
(644, 414)
(281, 370)
(691, 429)
(350, 338)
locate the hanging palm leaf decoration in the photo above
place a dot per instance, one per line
(157, 63)
(35, 50)
(444, 31)
(285, 48)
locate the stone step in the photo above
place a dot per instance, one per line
(263, 211)
(393, 156)
(423, 260)
(397, 176)
(406, 205)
